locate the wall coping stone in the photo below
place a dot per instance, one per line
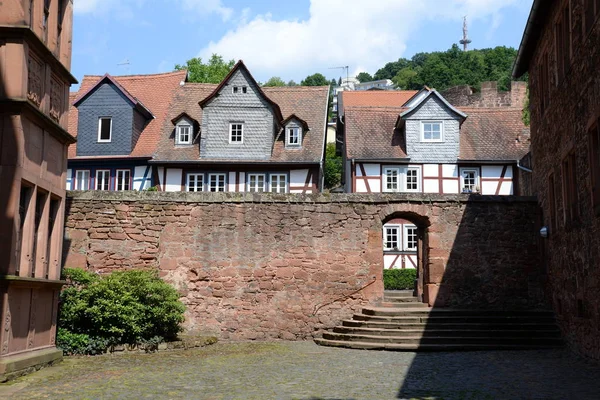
(211, 197)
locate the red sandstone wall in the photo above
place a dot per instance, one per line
(262, 267)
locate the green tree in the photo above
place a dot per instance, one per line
(275, 81)
(526, 116)
(364, 77)
(340, 81)
(211, 72)
(406, 78)
(315, 80)
(292, 83)
(333, 167)
(391, 69)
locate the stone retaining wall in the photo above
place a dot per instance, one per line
(286, 266)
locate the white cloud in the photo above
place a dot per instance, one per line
(340, 32)
(205, 7)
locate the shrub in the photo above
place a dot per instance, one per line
(399, 279)
(121, 308)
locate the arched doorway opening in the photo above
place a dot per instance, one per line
(404, 238)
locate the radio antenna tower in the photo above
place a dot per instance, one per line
(465, 40)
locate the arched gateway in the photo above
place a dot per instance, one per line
(404, 244)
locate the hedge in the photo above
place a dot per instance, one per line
(399, 279)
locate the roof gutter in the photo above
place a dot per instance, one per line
(522, 61)
(234, 162)
(522, 167)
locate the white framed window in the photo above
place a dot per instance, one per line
(123, 179)
(257, 183)
(431, 131)
(236, 132)
(293, 136)
(102, 179)
(469, 180)
(104, 129)
(82, 179)
(244, 89)
(184, 134)
(235, 89)
(410, 238)
(278, 183)
(216, 182)
(195, 183)
(391, 179)
(391, 237)
(412, 179)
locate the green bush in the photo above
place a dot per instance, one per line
(399, 279)
(121, 308)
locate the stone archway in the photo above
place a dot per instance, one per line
(405, 220)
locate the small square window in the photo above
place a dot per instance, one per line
(235, 89)
(195, 183)
(216, 182)
(256, 183)
(236, 132)
(184, 134)
(278, 183)
(469, 180)
(293, 136)
(431, 132)
(104, 129)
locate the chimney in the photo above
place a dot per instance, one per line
(518, 90)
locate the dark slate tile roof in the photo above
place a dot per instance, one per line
(306, 103)
(154, 91)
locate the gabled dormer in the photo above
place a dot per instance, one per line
(294, 130)
(110, 119)
(185, 129)
(238, 120)
(432, 128)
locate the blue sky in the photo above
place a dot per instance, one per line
(290, 39)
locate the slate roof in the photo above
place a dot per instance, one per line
(308, 103)
(154, 91)
(488, 134)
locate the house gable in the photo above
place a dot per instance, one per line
(432, 110)
(238, 101)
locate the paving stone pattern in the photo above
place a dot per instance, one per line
(303, 370)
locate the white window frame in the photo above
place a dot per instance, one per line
(405, 230)
(180, 128)
(288, 134)
(100, 140)
(231, 124)
(244, 89)
(198, 178)
(441, 139)
(85, 178)
(477, 185)
(253, 188)
(385, 179)
(104, 172)
(219, 176)
(398, 229)
(235, 90)
(278, 185)
(404, 173)
(119, 180)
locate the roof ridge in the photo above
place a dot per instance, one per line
(159, 74)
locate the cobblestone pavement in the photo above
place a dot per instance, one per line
(303, 370)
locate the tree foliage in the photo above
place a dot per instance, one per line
(274, 81)
(121, 308)
(214, 71)
(364, 77)
(333, 167)
(444, 69)
(315, 80)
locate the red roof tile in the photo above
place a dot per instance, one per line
(153, 91)
(376, 98)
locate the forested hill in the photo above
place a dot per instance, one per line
(442, 70)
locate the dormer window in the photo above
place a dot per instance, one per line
(104, 129)
(431, 131)
(184, 134)
(236, 132)
(293, 136)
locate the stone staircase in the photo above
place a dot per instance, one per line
(401, 323)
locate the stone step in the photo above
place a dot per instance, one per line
(403, 305)
(398, 293)
(465, 332)
(429, 347)
(403, 325)
(399, 300)
(410, 309)
(448, 340)
(411, 317)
